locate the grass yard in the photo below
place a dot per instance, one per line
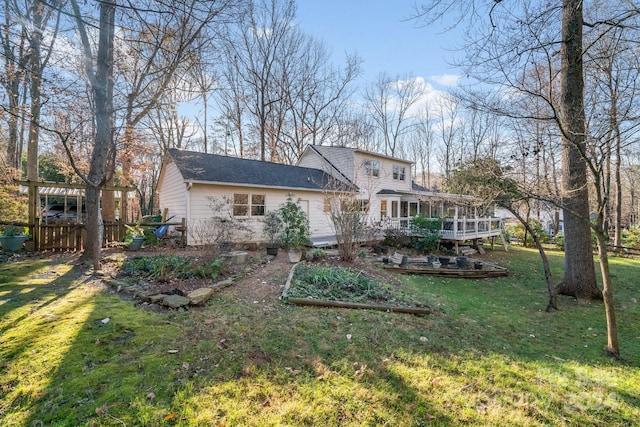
(74, 354)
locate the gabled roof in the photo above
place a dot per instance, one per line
(213, 168)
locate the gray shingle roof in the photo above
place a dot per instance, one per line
(214, 168)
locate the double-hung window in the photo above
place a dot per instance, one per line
(398, 172)
(371, 168)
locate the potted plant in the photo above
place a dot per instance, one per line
(12, 238)
(272, 227)
(137, 235)
(295, 232)
(462, 261)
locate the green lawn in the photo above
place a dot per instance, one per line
(489, 355)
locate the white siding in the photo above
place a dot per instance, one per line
(201, 208)
(341, 158)
(172, 193)
(311, 159)
(371, 184)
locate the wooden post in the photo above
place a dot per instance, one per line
(34, 214)
(184, 232)
(124, 196)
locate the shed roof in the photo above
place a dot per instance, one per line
(214, 168)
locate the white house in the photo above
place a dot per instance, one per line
(189, 180)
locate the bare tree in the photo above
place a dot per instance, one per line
(254, 48)
(614, 112)
(26, 52)
(447, 109)
(519, 39)
(389, 101)
(315, 96)
(422, 145)
(100, 76)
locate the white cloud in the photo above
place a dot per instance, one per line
(446, 79)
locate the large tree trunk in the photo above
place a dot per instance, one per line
(579, 279)
(103, 96)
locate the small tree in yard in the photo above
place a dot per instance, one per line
(348, 215)
(272, 227)
(295, 230)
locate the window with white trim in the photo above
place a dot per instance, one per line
(245, 204)
(371, 167)
(398, 172)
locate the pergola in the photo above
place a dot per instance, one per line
(37, 189)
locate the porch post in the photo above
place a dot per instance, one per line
(455, 222)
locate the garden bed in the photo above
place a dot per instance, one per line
(422, 266)
(344, 287)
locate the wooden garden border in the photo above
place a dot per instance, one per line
(341, 304)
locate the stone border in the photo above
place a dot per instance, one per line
(195, 298)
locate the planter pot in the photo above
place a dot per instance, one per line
(272, 250)
(477, 265)
(405, 261)
(435, 264)
(136, 243)
(295, 255)
(431, 258)
(462, 261)
(444, 260)
(12, 243)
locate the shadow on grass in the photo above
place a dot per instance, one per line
(491, 356)
(20, 287)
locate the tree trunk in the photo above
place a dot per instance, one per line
(551, 288)
(613, 348)
(580, 279)
(617, 241)
(13, 160)
(35, 91)
(102, 87)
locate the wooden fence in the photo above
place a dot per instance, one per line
(71, 236)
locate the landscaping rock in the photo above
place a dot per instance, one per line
(157, 298)
(116, 284)
(223, 283)
(236, 257)
(175, 301)
(200, 296)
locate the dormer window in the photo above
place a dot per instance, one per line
(398, 172)
(371, 168)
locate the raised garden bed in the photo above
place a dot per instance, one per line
(346, 288)
(475, 269)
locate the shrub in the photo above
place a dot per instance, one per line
(163, 267)
(395, 238)
(295, 231)
(558, 239)
(518, 232)
(425, 233)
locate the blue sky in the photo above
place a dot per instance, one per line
(378, 31)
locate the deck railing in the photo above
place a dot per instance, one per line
(454, 228)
